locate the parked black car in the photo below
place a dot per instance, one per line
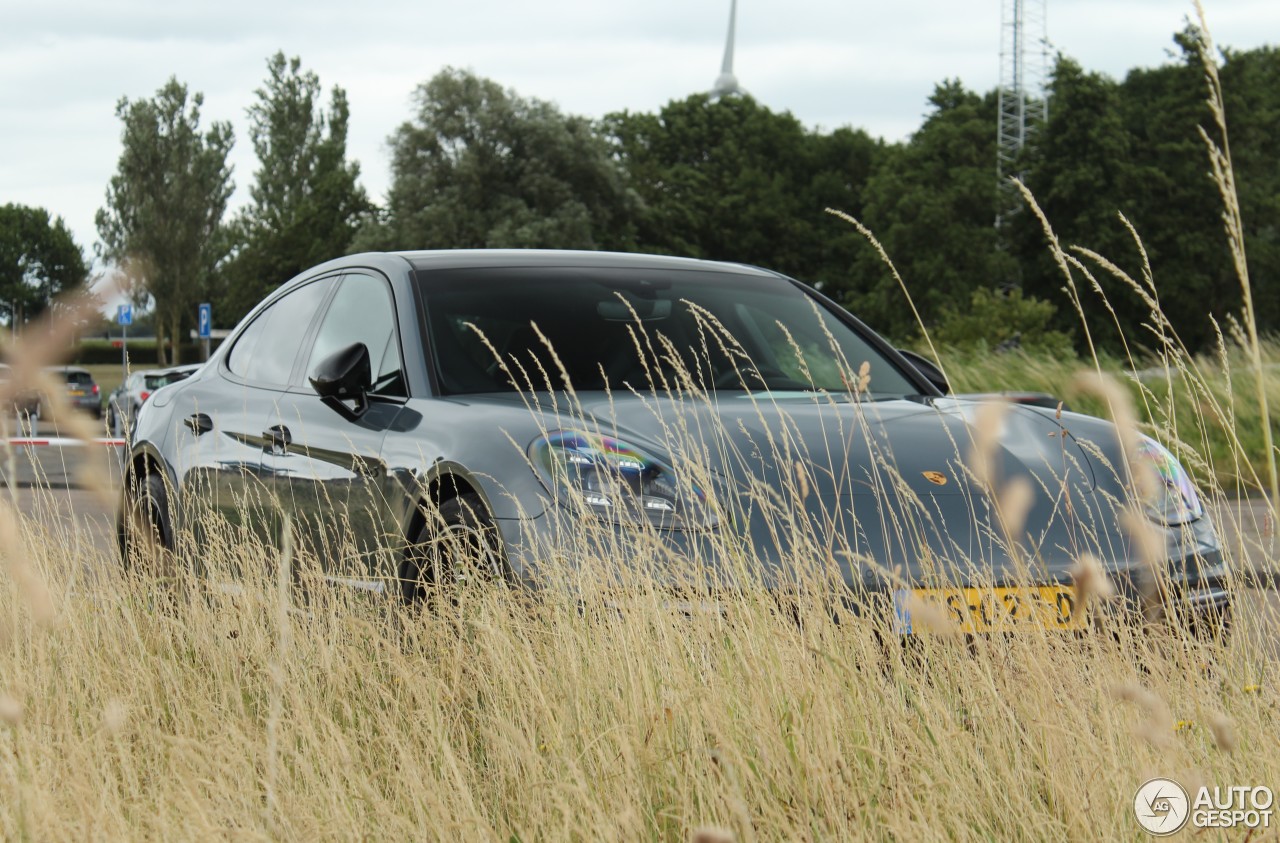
(512, 399)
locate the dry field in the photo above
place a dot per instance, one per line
(137, 710)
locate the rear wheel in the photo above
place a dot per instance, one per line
(145, 527)
(457, 547)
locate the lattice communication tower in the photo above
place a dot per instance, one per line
(1023, 92)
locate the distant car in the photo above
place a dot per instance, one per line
(26, 404)
(128, 398)
(82, 391)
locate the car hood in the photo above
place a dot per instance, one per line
(888, 487)
(847, 448)
(886, 481)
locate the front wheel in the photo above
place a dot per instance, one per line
(458, 546)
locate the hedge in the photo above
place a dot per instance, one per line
(142, 352)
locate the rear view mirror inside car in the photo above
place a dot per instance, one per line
(629, 310)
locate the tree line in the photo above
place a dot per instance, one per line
(477, 165)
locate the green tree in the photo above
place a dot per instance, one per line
(38, 260)
(1251, 85)
(1178, 211)
(1134, 147)
(932, 204)
(1083, 171)
(306, 200)
(165, 205)
(480, 167)
(729, 179)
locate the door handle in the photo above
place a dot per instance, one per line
(199, 423)
(278, 438)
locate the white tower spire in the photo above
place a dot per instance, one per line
(726, 83)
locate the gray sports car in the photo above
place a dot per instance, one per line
(425, 415)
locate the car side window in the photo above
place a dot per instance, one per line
(363, 311)
(266, 351)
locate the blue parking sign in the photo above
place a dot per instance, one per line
(124, 314)
(205, 321)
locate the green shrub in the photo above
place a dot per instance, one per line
(996, 319)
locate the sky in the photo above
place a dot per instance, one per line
(64, 64)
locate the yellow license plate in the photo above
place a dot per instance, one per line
(977, 610)
(75, 393)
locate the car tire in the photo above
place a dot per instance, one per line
(457, 545)
(145, 527)
(113, 422)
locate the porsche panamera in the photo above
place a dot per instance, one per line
(422, 417)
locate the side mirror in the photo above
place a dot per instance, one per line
(345, 375)
(927, 368)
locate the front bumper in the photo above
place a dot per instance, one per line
(1191, 587)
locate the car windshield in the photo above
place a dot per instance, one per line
(643, 329)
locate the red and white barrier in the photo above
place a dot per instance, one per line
(63, 441)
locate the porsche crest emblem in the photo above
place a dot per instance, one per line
(937, 478)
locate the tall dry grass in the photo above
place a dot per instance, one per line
(132, 716)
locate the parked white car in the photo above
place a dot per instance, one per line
(124, 403)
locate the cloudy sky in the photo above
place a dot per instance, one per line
(64, 65)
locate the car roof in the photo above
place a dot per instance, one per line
(514, 258)
(79, 370)
(448, 259)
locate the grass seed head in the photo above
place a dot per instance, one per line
(1091, 582)
(712, 834)
(10, 711)
(802, 480)
(114, 716)
(1017, 496)
(988, 425)
(1224, 731)
(1158, 726)
(930, 617)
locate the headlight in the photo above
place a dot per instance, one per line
(1173, 500)
(618, 481)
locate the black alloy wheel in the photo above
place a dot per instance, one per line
(456, 547)
(145, 527)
